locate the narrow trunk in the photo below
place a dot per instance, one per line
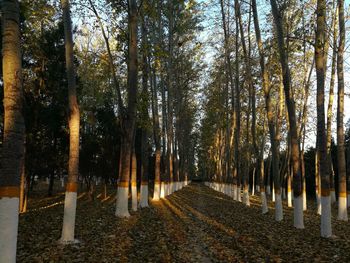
(23, 187)
(145, 122)
(128, 115)
(156, 137)
(297, 182)
(237, 131)
(270, 116)
(326, 227)
(170, 168)
(133, 175)
(330, 105)
(342, 207)
(70, 202)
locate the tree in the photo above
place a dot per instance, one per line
(342, 207)
(128, 115)
(297, 182)
(74, 126)
(272, 130)
(326, 227)
(14, 130)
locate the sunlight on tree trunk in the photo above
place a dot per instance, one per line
(70, 202)
(14, 131)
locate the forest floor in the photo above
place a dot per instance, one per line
(195, 224)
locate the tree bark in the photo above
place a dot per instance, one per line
(342, 206)
(14, 130)
(330, 105)
(270, 116)
(128, 114)
(297, 180)
(74, 125)
(326, 228)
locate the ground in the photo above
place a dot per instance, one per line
(195, 224)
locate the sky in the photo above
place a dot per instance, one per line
(213, 32)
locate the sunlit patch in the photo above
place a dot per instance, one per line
(52, 205)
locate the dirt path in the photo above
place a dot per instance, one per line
(195, 224)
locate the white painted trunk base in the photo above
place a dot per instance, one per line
(156, 192)
(9, 228)
(298, 212)
(258, 188)
(162, 190)
(319, 205)
(134, 198)
(170, 188)
(230, 190)
(326, 221)
(122, 202)
(342, 209)
(333, 198)
(246, 200)
(278, 208)
(144, 195)
(268, 190)
(175, 186)
(70, 208)
(304, 201)
(166, 187)
(289, 199)
(239, 197)
(273, 194)
(234, 192)
(264, 208)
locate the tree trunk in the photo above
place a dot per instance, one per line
(145, 120)
(342, 207)
(326, 227)
(237, 130)
(23, 187)
(248, 72)
(74, 123)
(128, 115)
(14, 130)
(297, 181)
(270, 117)
(330, 105)
(156, 137)
(170, 132)
(133, 175)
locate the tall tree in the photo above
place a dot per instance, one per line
(330, 102)
(326, 227)
(74, 125)
(295, 148)
(170, 97)
(13, 133)
(128, 114)
(342, 207)
(270, 117)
